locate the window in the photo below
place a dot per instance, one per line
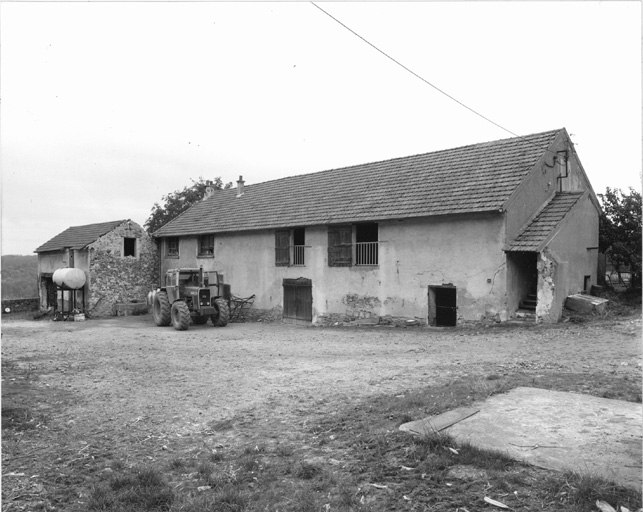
(298, 245)
(206, 245)
(340, 245)
(340, 249)
(172, 245)
(366, 244)
(282, 248)
(289, 247)
(129, 246)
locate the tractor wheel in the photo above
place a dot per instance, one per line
(220, 319)
(200, 319)
(161, 309)
(180, 315)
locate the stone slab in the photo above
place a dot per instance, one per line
(585, 303)
(561, 431)
(440, 422)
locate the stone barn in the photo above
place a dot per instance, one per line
(119, 260)
(490, 231)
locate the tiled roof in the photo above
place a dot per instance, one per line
(475, 178)
(544, 223)
(78, 237)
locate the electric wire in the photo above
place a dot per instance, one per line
(429, 83)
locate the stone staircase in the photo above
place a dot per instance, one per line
(527, 308)
(529, 302)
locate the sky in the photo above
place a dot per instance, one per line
(108, 106)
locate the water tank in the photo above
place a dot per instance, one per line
(70, 278)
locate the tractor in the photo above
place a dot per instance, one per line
(191, 294)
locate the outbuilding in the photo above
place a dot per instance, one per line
(118, 260)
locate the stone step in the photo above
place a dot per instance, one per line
(525, 314)
(528, 304)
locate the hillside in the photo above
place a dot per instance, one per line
(19, 277)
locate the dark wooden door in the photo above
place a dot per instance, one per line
(51, 292)
(445, 307)
(298, 299)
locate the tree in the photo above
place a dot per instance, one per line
(620, 231)
(178, 201)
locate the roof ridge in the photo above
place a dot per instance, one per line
(98, 223)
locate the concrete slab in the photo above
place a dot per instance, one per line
(560, 431)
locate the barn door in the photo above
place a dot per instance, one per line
(445, 307)
(298, 299)
(50, 291)
(443, 310)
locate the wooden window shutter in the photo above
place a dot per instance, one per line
(340, 248)
(282, 248)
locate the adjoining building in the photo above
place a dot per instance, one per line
(118, 258)
(477, 232)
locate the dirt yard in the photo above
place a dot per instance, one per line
(124, 389)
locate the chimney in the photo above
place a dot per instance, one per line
(209, 190)
(240, 186)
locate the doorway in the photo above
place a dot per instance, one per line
(522, 280)
(443, 306)
(298, 300)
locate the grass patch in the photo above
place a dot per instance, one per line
(17, 418)
(144, 489)
(305, 470)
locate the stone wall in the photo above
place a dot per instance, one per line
(19, 305)
(114, 278)
(262, 315)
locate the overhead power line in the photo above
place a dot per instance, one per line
(426, 81)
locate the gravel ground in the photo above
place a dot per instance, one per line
(122, 388)
(120, 369)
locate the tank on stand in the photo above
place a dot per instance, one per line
(69, 293)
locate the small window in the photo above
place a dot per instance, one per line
(172, 245)
(366, 244)
(340, 247)
(129, 247)
(206, 245)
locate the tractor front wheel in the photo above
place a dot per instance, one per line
(180, 315)
(161, 309)
(221, 317)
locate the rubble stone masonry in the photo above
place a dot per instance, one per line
(114, 278)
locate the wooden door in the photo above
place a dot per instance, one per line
(445, 307)
(298, 299)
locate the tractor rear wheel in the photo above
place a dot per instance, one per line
(180, 315)
(161, 309)
(221, 317)
(200, 319)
